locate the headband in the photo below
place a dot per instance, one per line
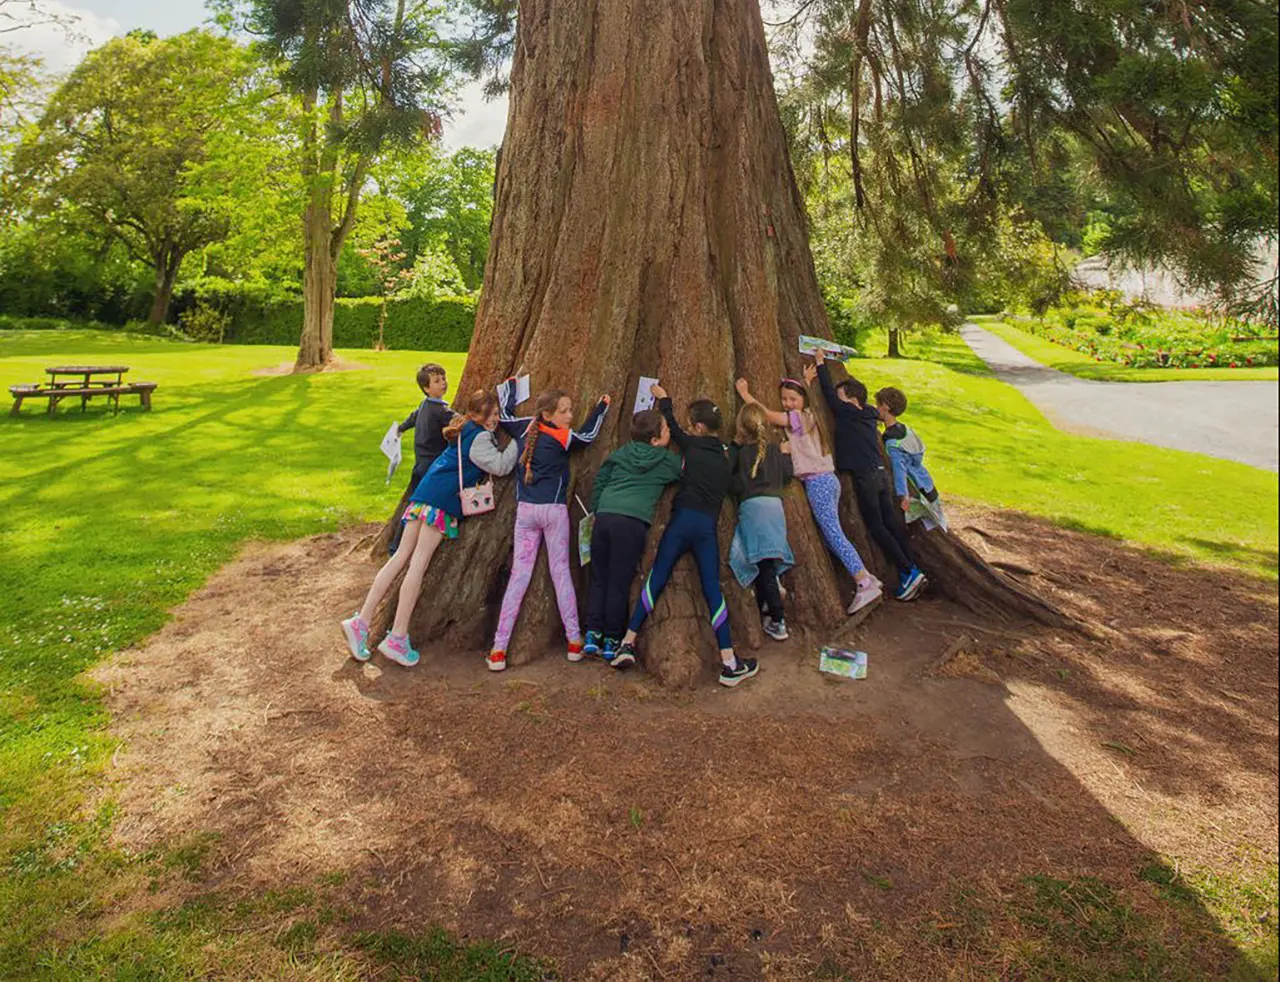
(791, 381)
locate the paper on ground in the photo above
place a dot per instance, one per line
(391, 447)
(644, 398)
(846, 664)
(810, 345)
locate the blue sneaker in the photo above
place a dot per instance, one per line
(910, 584)
(609, 648)
(591, 645)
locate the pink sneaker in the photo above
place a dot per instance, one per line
(356, 631)
(868, 592)
(397, 648)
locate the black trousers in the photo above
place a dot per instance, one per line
(617, 546)
(420, 469)
(768, 593)
(884, 521)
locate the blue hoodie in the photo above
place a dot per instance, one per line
(550, 482)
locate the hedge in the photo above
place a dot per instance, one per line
(413, 324)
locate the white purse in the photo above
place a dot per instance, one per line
(477, 500)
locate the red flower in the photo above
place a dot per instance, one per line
(1234, 365)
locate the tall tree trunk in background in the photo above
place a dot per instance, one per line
(647, 222)
(166, 272)
(895, 350)
(319, 282)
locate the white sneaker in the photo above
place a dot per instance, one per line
(868, 592)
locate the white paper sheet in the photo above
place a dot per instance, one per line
(644, 398)
(391, 448)
(522, 388)
(808, 345)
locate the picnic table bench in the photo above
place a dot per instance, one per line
(84, 381)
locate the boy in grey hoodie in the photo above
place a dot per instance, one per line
(626, 492)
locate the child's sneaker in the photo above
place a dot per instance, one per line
(497, 661)
(911, 582)
(868, 592)
(591, 644)
(575, 652)
(356, 631)
(624, 657)
(397, 648)
(776, 629)
(609, 648)
(741, 669)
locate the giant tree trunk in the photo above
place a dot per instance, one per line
(647, 222)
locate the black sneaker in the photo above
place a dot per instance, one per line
(743, 668)
(624, 657)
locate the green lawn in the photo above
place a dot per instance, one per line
(1079, 364)
(107, 522)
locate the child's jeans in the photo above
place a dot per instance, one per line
(688, 531)
(533, 523)
(617, 546)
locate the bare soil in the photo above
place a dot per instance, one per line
(772, 831)
(334, 365)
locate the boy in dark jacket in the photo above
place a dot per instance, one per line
(857, 451)
(427, 422)
(626, 492)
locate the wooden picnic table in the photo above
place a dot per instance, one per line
(87, 382)
(85, 374)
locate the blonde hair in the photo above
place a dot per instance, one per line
(479, 406)
(547, 403)
(753, 427)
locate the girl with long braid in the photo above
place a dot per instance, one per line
(759, 553)
(542, 486)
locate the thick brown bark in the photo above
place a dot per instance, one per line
(647, 222)
(319, 285)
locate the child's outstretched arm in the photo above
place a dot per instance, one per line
(775, 417)
(829, 393)
(678, 436)
(486, 455)
(591, 425)
(410, 422)
(507, 418)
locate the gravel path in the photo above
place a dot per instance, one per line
(1233, 420)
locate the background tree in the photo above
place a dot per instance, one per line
(367, 76)
(117, 143)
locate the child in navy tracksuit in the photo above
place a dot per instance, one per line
(542, 486)
(708, 476)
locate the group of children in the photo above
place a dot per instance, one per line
(770, 448)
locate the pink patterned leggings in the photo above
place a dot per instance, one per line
(533, 522)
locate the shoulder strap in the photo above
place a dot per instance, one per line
(461, 486)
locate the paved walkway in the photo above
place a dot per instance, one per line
(1233, 420)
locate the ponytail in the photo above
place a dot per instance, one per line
(753, 426)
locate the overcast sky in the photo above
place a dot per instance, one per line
(477, 122)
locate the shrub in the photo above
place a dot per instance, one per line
(205, 324)
(413, 324)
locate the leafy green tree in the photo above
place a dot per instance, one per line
(117, 145)
(367, 76)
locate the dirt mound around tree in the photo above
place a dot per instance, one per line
(797, 822)
(336, 365)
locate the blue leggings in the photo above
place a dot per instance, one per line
(823, 491)
(688, 531)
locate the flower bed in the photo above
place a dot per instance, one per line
(1105, 327)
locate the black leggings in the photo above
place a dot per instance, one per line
(768, 592)
(884, 522)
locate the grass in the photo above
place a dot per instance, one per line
(1082, 366)
(108, 522)
(987, 443)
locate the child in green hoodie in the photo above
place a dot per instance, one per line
(624, 497)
